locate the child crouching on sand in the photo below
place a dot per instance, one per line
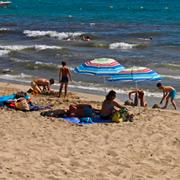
(168, 92)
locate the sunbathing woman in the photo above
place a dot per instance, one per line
(108, 106)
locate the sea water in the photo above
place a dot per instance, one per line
(36, 35)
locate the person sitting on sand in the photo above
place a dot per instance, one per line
(139, 96)
(168, 92)
(42, 85)
(108, 106)
(64, 76)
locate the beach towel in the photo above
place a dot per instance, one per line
(89, 120)
(38, 108)
(5, 98)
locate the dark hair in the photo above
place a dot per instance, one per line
(63, 63)
(51, 81)
(110, 95)
(158, 84)
(20, 94)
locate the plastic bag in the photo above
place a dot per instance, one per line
(117, 117)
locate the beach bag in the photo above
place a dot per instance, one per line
(122, 116)
(22, 104)
(117, 117)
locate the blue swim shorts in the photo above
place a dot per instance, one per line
(172, 94)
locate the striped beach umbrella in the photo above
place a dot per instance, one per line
(99, 67)
(136, 74)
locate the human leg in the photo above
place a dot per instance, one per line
(35, 87)
(65, 91)
(60, 89)
(172, 94)
(173, 103)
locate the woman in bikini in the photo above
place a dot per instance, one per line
(108, 106)
(64, 76)
(138, 97)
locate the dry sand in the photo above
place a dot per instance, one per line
(39, 148)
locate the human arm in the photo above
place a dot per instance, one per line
(116, 104)
(60, 74)
(130, 93)
(165, 94)
(69, 74)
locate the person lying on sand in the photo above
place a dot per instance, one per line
(108, 106)
(139, 96)
(42, 85)
(168, 92)
(80, 110)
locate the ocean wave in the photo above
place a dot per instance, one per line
(4, 52)
(145, 35)
(122, 45)
(4, 30)
(30, 64)
(19, 77)
(43, 65)
(8, 48)
(169, 65)
(53, 34)
(171, 77)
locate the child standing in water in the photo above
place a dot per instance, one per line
(64, 76)
(168, 92)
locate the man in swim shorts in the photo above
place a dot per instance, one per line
(168, 92)
(64, 76)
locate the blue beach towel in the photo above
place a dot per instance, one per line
(82, 121)
(6, 98)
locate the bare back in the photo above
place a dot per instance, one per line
(64, 71)
(167, 89)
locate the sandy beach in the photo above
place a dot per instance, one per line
(37, 147)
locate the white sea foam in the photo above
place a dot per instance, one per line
(4, 52)
(53, 34)
(92, 24)
(121, 45)
(19, 77)
(47, 64)
(44, 47)
(20, 60)
(171, 77)
(9, 48)
(4, 29)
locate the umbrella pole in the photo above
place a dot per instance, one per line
(105, 90)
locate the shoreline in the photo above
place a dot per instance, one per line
(121, 97)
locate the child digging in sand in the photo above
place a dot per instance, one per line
(168, 92)
(42, 85)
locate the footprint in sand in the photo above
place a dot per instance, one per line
(112, 153)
